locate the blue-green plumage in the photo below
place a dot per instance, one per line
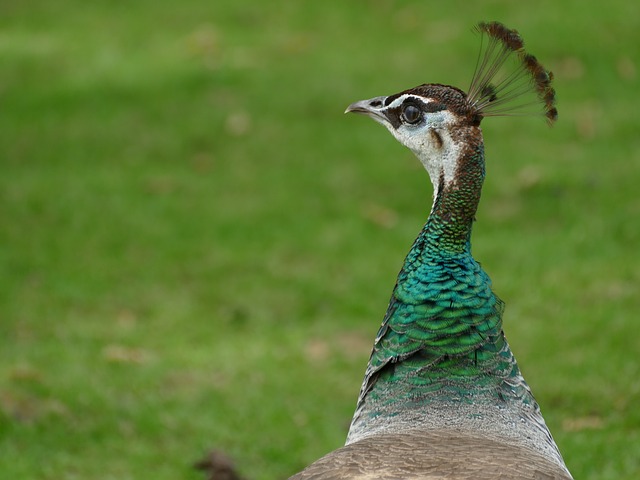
(442, 333)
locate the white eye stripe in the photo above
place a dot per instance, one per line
(401, 99)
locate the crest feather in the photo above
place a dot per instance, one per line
(508, 80)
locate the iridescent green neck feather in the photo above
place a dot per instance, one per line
(441, 341)
(448, 229)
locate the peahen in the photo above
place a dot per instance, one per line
(443, 396)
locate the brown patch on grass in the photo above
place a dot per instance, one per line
(582, 423)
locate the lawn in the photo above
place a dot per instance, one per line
(197, 247)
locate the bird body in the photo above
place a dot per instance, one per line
(443, 396)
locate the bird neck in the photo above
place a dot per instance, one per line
(448, 229)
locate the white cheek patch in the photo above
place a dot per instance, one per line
(438, 159)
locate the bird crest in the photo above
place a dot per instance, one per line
(508, 80)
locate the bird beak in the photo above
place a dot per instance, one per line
(374, 108)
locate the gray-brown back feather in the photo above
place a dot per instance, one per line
(432, 455)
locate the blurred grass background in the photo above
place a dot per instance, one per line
(197, 247)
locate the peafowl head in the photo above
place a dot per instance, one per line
(433, 121)
(438, 123)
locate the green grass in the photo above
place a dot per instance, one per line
(197, 247)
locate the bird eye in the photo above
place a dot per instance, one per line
(411, 114)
